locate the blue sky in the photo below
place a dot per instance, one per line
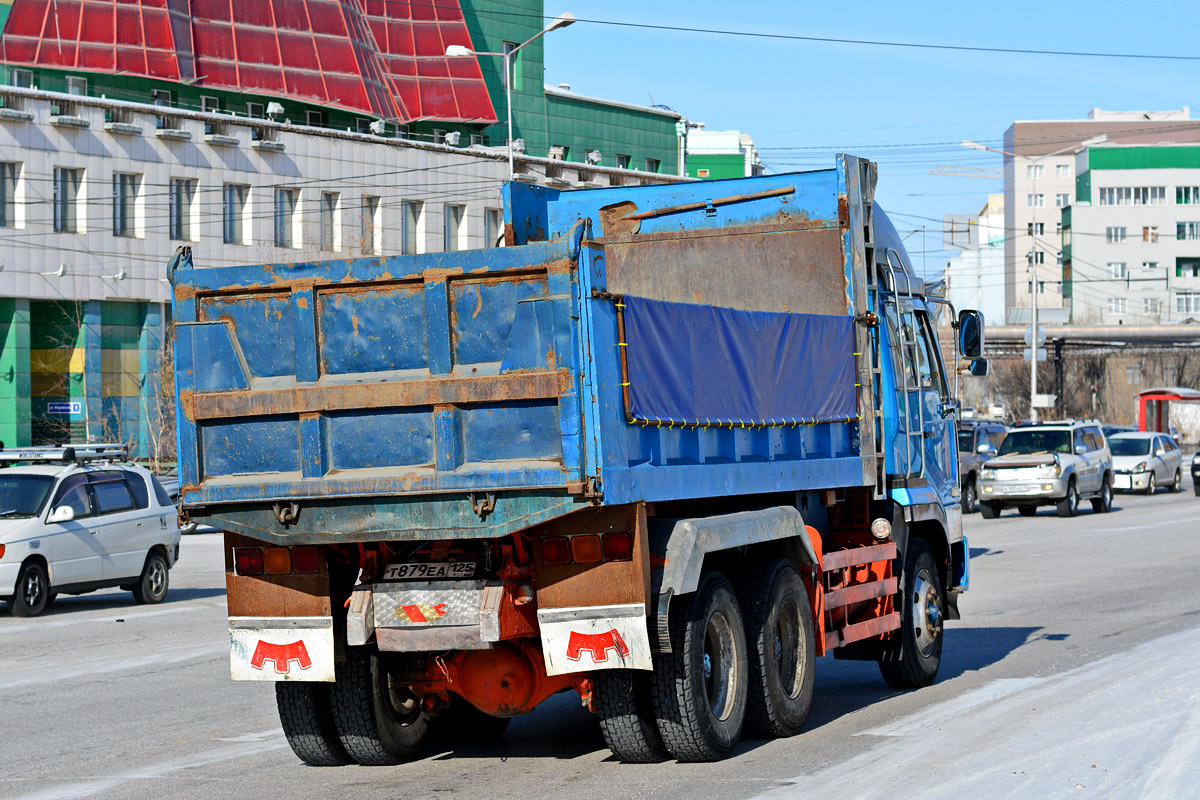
(804, 101)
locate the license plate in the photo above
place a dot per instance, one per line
(1018, 489)
(426, 571)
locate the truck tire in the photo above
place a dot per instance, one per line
(151, 586)
(701, 686)
(782, 649)
(462, 723)
(914, 660)
(1102, 503)
(1069, 505)
(378, 722)
(307, 719)
(32, 592)
(989, 510)
(627, 716)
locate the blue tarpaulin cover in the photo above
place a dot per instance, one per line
(705, 365)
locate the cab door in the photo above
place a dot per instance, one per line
(937, 413)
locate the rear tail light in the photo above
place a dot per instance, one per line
(304, 559)
(278, 560)
(618, 546)
(585, 549)
(556, 551)
(248, 560)
(1, 551)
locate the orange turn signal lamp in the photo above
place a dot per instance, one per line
(276, 560)
(587, 548)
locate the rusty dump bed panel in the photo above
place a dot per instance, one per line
(475, 393)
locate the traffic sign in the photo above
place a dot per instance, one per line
(1041, 337)
(73, 407)
(1044, 400)
(1041, 354)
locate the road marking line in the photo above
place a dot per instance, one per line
(951, 709)
(88, 788)
(261, 736)
(61, 623)
(43, 673)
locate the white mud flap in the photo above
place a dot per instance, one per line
(587, 638)
(281, 648)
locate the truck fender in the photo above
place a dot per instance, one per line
(678, 548)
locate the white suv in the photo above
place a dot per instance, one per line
(74, 520)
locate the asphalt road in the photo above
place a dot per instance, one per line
(1075, 671)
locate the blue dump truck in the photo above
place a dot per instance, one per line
(663, 449)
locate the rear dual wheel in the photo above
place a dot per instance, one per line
(379, 721)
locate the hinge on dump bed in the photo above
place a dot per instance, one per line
(588, 487)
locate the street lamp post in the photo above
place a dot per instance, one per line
(1032, 257)
(561, 21)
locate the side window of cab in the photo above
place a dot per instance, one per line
(73, 492)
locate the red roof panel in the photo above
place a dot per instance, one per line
(382, 57)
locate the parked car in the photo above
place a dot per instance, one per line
(77, 519)
(1112, 430)
(1055, 463)
(1144, 461)
(978, 440)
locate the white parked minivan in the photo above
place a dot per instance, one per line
(77, 519)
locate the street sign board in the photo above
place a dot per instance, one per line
(73, 407)
(1041, 354)
(1044, 400)
(1041, 337)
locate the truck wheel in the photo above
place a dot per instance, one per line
(462, 722)
(914, 659)
(700, 687)
(989, 510)
(379, 722)
(1102, 503)
(1177, 484)
(626, 715)
(32, 593)
(970, 497)
(1070, 502)
(307, 719)
(780, 638)
(152, 585)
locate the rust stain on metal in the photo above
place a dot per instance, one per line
(302, 301)
(187, 404)
(617, 218)
(532, 385)
(844, 210)
(479, 302)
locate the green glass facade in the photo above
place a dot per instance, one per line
(715, 166)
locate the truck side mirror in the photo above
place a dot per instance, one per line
(970, 334)
(979, 367)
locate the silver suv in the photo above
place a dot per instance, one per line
(1056, 463)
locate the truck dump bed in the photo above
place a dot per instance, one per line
(630, 344)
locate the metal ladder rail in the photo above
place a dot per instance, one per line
(874, 336)
(906, 343)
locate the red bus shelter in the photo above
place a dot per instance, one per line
(1154, 406)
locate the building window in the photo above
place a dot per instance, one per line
(8, 193)
(369, 237)
(1149, 305)
(410, 225)
(162, 97)
(22, 78)
(1062, 200)
(256, 111)
(704, 173)
(1117, 269)
(1187, 302)
(234, 213)
(653, 164)
(362, 125)
(453, 228)
(1058, 258)
(1035, 171)
(315, 119)
(1037, 257)
(1114, 235)
(1035, 200)
(1117, 305)
(1187, 268)
(1187, 231)
(67, 183)
(1133, 374)
(439, 136)
(493, 221)
(182, 194)
(1062, 170)
(1149, 265)
(1133, 195)
(76, 85)
(622, 161)
(211, 105)
(1187, 195)
(1034, 228)
(1150, 233)
(285, 217)
(329, 221)
(476, 139)
(125, 188)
